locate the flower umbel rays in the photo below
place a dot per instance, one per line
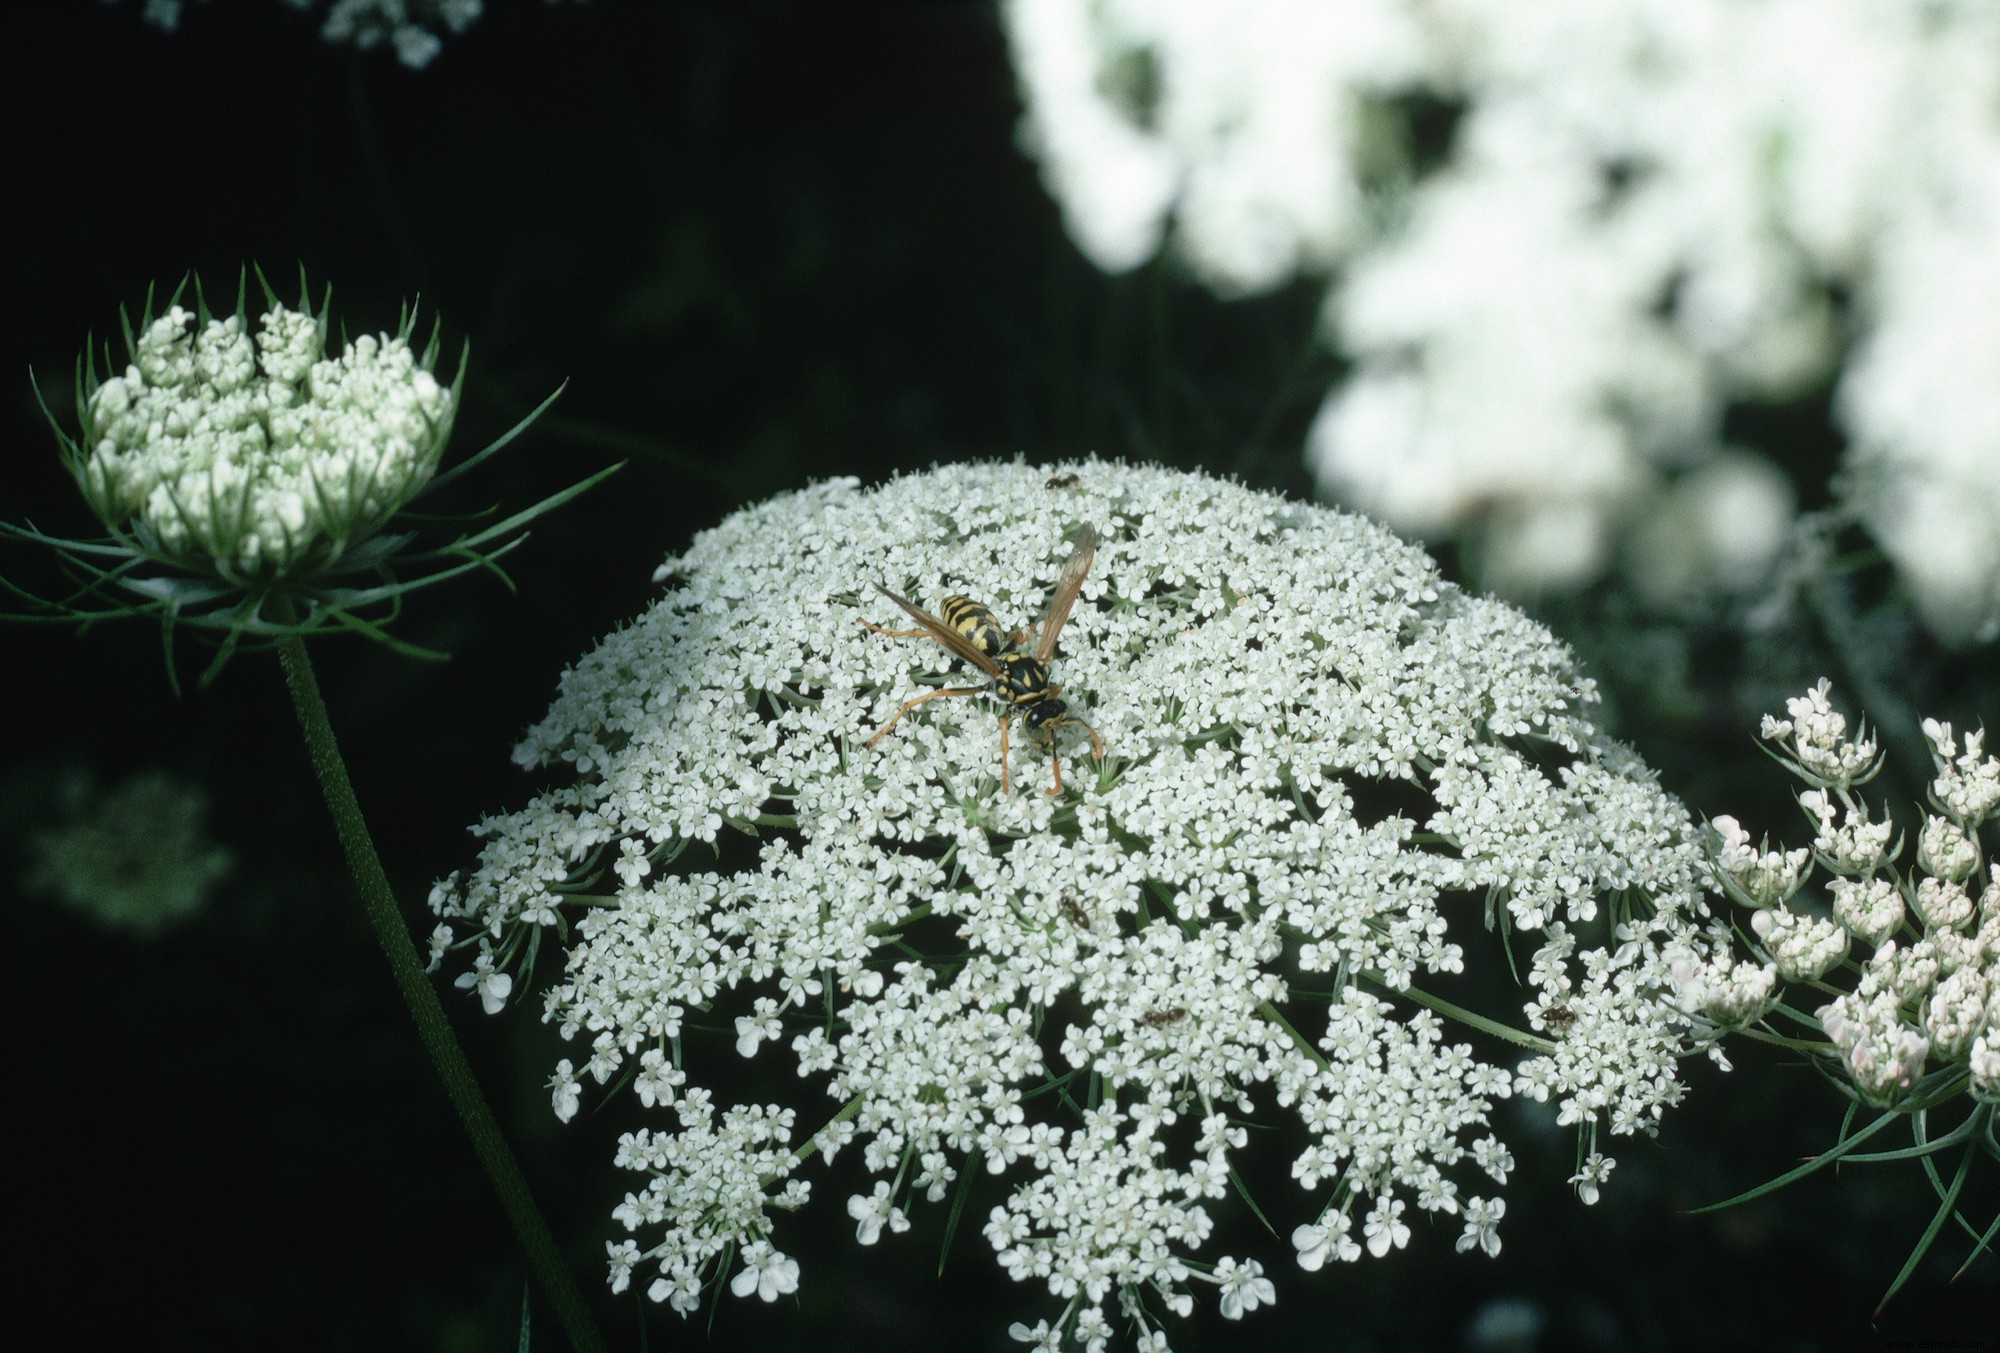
(1069, 1004)
(1911, 957)
(247, 475)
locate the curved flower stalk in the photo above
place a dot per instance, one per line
(1897, 966)
(1320, 763)
(248, 478)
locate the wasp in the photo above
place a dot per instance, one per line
(1021, 680)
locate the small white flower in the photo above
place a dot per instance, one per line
(1816, 736)
(1482, 1225)
(1244, 1287)
(565, 1093)
(656, 1082)
(1327, 1240)
(1968, 786)
(493, 985)
(440, 944)
(1385, 1227)
(1588, 1180)
(1984, 1062)
(1761, 878)
(1802, 948)
(1494, 1158)
(624, 1257)
(875, 1211)
(1044, 1338)
(752, 1030)
(766, 1271)
(1943, 904)
(1944, 850)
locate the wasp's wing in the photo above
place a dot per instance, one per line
(1064, 595)
(944, 634)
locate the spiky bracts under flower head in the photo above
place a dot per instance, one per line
(1320, 760)
(241, 447)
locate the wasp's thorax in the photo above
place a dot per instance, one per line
(1022, 680)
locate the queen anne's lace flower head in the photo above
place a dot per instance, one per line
(250, 452)
(1321, 763)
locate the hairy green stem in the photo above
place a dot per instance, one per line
(427, 1010)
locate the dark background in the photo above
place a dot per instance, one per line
(764, 243)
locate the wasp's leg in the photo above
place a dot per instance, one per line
(1055, 757)
(866, 623)
(1003, 750)
(909, 705)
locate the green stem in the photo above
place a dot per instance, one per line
(425, 1008)
(1476, 1021)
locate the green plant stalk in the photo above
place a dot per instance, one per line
(432, 1026)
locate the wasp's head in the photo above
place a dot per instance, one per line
(1044, 716)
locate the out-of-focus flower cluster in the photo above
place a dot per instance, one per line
(1645, 214)
(136, 857)
(411, 27)
(1927, 993)
(254, 454)
(1321, 764)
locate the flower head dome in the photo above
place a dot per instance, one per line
(1321, 764)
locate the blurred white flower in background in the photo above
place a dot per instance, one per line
(1646, 213)
(410, 27)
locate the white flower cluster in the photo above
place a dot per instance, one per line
(1644, 215)
(135, 857)
(1315, 752)
(1930, 990)
(257, 455)
(410, 26)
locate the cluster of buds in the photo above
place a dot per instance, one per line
(247, 449)
(1928, 990)
(252, 482)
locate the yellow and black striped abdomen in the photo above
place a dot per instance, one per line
(977, 624)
